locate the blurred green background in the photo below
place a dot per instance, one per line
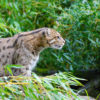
(78, 21)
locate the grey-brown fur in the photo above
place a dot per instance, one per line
(24, 49)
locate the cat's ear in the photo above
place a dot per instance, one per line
(43, 33)
(46, 32)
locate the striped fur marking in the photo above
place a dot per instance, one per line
(37, 31)
(52, 41)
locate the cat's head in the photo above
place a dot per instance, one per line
(53, 38)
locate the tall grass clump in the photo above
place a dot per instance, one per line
(54, 87)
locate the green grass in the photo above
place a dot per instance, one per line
(54, 87)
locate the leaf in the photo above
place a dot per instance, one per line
(9, 70)
(14, 66)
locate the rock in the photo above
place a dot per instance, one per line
(86, 98)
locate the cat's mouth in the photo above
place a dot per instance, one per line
(57, 46)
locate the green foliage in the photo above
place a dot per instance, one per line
(78, 21)
(83, 40)
(54, 87)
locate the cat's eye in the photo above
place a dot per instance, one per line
(58, 37)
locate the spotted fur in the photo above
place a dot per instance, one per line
(24, 49)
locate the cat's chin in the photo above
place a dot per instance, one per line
(57, 47)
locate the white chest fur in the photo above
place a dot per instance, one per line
(33, 62)
(26, 58)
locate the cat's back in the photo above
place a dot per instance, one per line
(6, 52)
